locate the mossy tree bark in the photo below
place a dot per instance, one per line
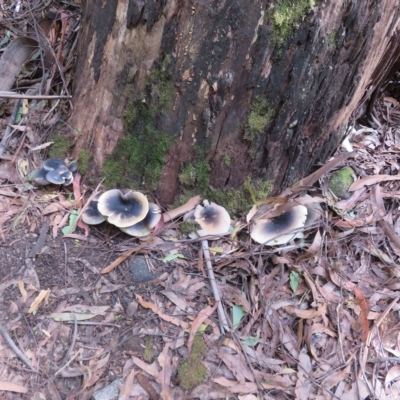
(214, 92)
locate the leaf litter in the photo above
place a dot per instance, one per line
(316, 318)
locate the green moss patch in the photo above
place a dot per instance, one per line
(192, 371)
(138, 158)
(259, 117)
(60, 147)
(340, 181)
(286, 15)
(83, 161)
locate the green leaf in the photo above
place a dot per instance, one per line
(217, 249)
(172, 257)
(72, 223)
(251, 341)
(6, 38)
(237, 315)
(294, 280)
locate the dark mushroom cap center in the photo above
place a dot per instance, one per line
(283, 223)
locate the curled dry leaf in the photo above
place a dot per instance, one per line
(156, 310)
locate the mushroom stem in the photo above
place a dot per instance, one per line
(221, 313)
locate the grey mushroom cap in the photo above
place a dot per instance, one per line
(145, 226)
(123, 209)
(58, 176)
(73, 167)
(68, 177)
(278, 230)
(213, 219)
(40, 177)
(52, 164)
(92, 215)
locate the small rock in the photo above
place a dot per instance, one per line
(109, 392)
(140, 271)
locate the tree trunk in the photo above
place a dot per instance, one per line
(215, 92)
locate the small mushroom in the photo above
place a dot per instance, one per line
(73, 167)
(57, 176)
(144, 227)
(279, 230)
(40, 177)
(123, 208)
(53, 163)
(68, 177)
(213, 219)
(92, 215)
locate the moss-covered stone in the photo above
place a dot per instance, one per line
(192, 371)
(340, 181)
(138, 158)
(60, 147)
(286, 15)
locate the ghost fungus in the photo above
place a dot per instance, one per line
(92, 215)
(123, 208)
(212, 218)
(40, 177)
(279, 230)
(53, 163)
(145, 226)
(73, 167)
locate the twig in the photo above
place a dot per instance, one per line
(12, 95)
(221, 313)
(71, 347)
(15, 349)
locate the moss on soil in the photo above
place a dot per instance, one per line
(60, 147)
(192, 371)
(138, 158)
(286, 15)
(340, 181)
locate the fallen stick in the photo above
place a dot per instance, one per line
(221, 313)
(15, 349)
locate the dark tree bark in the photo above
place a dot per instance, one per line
(259, 97)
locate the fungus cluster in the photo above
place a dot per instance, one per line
(55, 171)
(127, 209)
(285, 227)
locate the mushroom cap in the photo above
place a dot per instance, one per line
(279, 228)
(59, 176)
(73, 167)
(213, 219)
(40, 177)
(123, 209)
(53, 163)
(144, 227)
(314, 213)
(92, 215)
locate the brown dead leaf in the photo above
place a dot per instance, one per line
(303, 384)
(124, 256)
(392, 375)
(372, 180)
(22, 290)
(236, 364)
(150, 369)
(164, 377)
(234, 296)
(335, 377)
(12, 387)
(364, 306)
(157, 310)
(204, 314)
(41, 296)
(307, 314)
